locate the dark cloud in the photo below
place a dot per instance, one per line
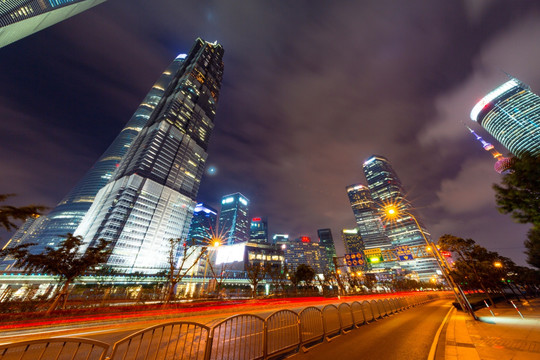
(311, 89)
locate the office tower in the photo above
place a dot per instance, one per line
(352, 240)
(7, 262)
(326, 242)
(511, 114)
(20, 18)
(280, 238)
(259, 230)
(151, 197)
(370, 226)
(303, 251)
(68, 214)
(503, 164)
(233, 218)
(203, 225)
(386, 188)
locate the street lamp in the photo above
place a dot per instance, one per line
(391, 211)
(497, 264)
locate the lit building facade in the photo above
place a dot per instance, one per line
(203, 225)
(233, 219)
(280, 238)
(68, 214)
(511, 114)
(259, 230)
(151, 197)
(20, 18)
(326, 242)
(352, 240)
(369, 223)
(303, 251)
(386, 187)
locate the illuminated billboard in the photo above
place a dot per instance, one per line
(230, 253)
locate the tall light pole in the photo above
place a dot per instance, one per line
(392, 212)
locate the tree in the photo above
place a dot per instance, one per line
(178, 269)
(305, 273)
(520, 197)
(9, 213)
(520, 193)
(255, 273)
(66, 261)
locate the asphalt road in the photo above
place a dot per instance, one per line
(405, 336)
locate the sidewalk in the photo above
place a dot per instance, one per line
(504, 336)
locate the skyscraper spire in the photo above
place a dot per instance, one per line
(502, 165)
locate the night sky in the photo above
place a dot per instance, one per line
(311, 90)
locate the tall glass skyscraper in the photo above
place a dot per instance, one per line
(203, 225)
(258, 231)
(20, 18)
(352, 240)
(326, 242)
(233, 218)
(151, 197)
(511, 114)
(386, 187)
(68, 214)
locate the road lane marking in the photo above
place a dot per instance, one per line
(431, 355)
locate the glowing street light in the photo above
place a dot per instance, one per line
(497, 264)
(393, 212)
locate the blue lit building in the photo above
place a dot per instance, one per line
(511, 114)
(151, 196)
(20, 18)
(326, 242)
(68, 214)
(234, 222)
(203, 225)
(259, 230)
(385, 188)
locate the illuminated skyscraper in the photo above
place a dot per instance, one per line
(259, 230)
(151, 197)
(203, 225)
(386, 187)
(511, 114)
(370, 226)
(233, 218)
(326, 242)
(68, 214)
(303, 251)
(352, 240)
(20, 18)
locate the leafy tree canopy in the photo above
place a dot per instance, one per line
(9, 214)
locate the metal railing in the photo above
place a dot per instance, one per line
(239, 337)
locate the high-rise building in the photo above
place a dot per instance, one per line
(370, 226)
(503, 164)
(203, 225)
(151, 197)
(352, 240)
(304, 251)
(511, 114)
(259, 230)
(20, 18)
(233, 218)
(48, 230)
(386, 188)
(280, 238)
(326, 242)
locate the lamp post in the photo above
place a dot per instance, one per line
(391, 211)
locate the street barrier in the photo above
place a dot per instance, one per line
(332, 325)
(358, 314)
(282, 332)
(55, 348)
(311, 326)
(368, 311)
(239, 337)
(182, 340)
(346, 317)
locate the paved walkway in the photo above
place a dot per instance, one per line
(503, 336)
